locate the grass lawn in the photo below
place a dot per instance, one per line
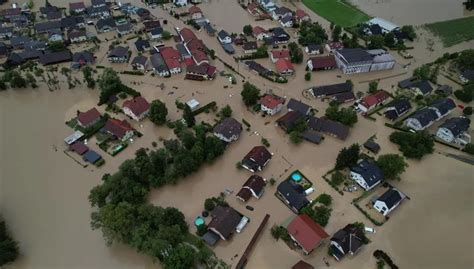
(337, 11)
(454, 31)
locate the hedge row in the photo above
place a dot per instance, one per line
(379, 254)
(204, 108)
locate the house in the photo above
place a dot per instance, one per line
(397, 108)
(332, 47)
(467, 75)
(55, 37)
(445, 89)
(306, 233)
(406, 83)
(54, 16)
(140, 63)
(287, 121)
(329, 127)
(142, 45)
(381, 60)
(295, 105)
(201, 72)
(6, 32)
(302, 265)
(443, 107)
(258, 68)
(357, 60)
(312, 136)
(30, 54)
(224, 221)
(421, 119)
(91, 157)
(286, 21)
(55, 57)
(267, 5)
(314, 49)
(77, 7)
(330, 90)
(136, 108)
(292, 195)
(454, 130)
(193, 104)
(18, 41)
(159, 66)
(284, 67)
(172, 59)
(253, 9)
(259, 33)
(183, 52)
(209, 29)
(118, 54)
(254, 186)
(371, 101)
(321, 63)
(98, 3)
(48, 27)
(3, 50)
(372, 146)
(422, 87)
(98, 12)
(156, 33)
(228, 48)
(72, 22)
(367, 174)
(35, 45)
(347, 240)
(344, 97)
(195, 12)
(120, 129)
(105, 25)
(385, 25)
(77, 36)
(48, 8)
(301, 16)
(228, 130)
(388, 201)
(82, 58)
(14, 60)
(125, 28)
(9, 14)
(79, 148)
(224, 37)
(150, 25)
(180, 3)
(276, 55)
(280, 36)
(271, 104)
(88, 118)
(144, 14)
(281, 12)
(250, 47)
(257, 158)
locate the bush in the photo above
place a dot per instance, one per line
(469, 148)
(337, 178)
(307, 76)
(413, 145)
(272, 181)
(295, 137)
(324, 199)
(379, 254)
(265, 142)
(209, 204)
(467, 111)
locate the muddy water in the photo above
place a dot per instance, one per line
(414, 12)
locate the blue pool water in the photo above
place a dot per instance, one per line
(296, 177)
(199, 221)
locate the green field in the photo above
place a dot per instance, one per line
(337, 11)
(454, 31)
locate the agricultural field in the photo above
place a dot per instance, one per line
(337, 11)
(453, 32)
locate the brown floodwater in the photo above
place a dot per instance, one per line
(43, 193)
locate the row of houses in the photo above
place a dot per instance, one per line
(425, 117)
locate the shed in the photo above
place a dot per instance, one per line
(210, 238)
(79, 148)
(73, 138)
(372, 146)
(192, 104)
(92, 156)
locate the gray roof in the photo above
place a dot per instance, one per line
(110, 22)
(142, 44)
(312, 136)
(406, 83)
(71, 21)
(391, 197)
(296, 105)
(355, 55)
(328, 90)
(369, 171)
(443, 105)
(119, 52)
(158, 63)
(445, 89)
(47, 26)
(4, 30)
(85, 56)
(282, 11)
(210, 238)
(182, 49)
(228, 128)
(399, 106)
(293, 193)
(424, 86)
(126, 27)
(468, 74)
(425, 116)
(333, 128)
(140, 60)
(457, 125)
(29, 54)
(17, 41)
(55, 57)
(222, 34)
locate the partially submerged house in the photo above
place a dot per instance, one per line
(321, 63)
(367, 174)
(55, 57)
(284, 67)
(425, 117)
(224, 37)
(422, 87)
(203, 71)
(118, 54)
(295, 105)
(329, 127)
(140, 63)
(120, 129)
(330, 90)
(276, 55)
(314, 49)
(302, 265)
(254, 186)
(397, 108)
(455, 130)
(346, 241)
(358, 60)
(386, 203)
(136, 108)
(271, 104)
(88, 118)
(287, 121)
(371, 101)
(306, 233)
(224, 221)
(257, 158)
(228, 130)
(293, 195)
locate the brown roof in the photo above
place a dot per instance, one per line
(244, 194)
(306, 232)
(224, 220)
(323, 62)
(88, 117)
(259, 155)
(255, 183)
(117, 127)
(77, 5)
(137, 105)
(302, 265)
(271, 101)
(79, 148)
(194, 9)
(228, 128)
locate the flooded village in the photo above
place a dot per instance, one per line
(358, 149)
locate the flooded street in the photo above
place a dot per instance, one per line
(43, 193)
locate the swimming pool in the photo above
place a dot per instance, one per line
(199, 221)
(296, 177)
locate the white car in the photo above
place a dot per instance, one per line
(369, 230)
(242, 224)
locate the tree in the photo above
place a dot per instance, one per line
(373, 86)
(181, 257)
(56, 46)
(8, 246)
(307, 76)
(248, 30)
(409, 31)
(465, 59)
(345, 115)
(88, 76)
(109, 84)
(15, 79)
(188, 116)
(324, 199)
(466, 94)
(280, 232)
(311, 33)
(31, 80)
(469, 148)
(336, 33)
(376, 42)
(422, 72)
(296, 54)
(158, 112)
(209, 204)
(392, 165)
(295, 137)
(226, 112)
(320, 214)
(467, 111)
(389, 40)
(348, 157)
(3, 85)
(166, 35)
(250, 94)
(413, 145)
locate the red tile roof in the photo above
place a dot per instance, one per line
(88, 117)
(300, 14)
(280, 54)
(323, 62)
(302, 265)
(187, 34)
(77, 5)
(283, 65)
(374, 99)
(258, 30)
(253, 8)
(171, 57)
(271, 101)
(194, 9)
(306, 232)
(117, 127)
(137, 105)
(79, 148)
